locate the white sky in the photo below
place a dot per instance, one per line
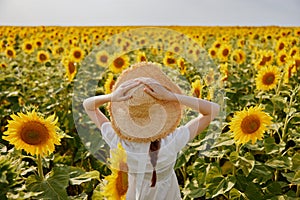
(150, 12)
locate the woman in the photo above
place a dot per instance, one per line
(145, 109)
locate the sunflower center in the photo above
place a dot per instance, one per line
(119, 62)
(268, 78)
(43, 57)
(122, 181)
(176, 49)
(38, 44)
(103, 58)
(77, 54)
(28, 46)
(34, 133)
(10, 53)
(71, 67)
(281, 46)
(170, 61)
(225, 52)
(283, 58)
(250, 124)
(213, 53)
(197, 92)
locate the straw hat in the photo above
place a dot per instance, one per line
(144, 118)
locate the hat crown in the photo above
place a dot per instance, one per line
(139, 96)
(143, 118)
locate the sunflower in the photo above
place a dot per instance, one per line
(102, 58)
(290, 69)
(267, 78)
(117, 183)
(33, 133)
(169, 60)
(42, 56)
(297, 62)
(210, 94)
(282, 58)
(197, 88)
(238, 56)
(28, 46)
(241, 42)
(10, 52)
(176, 48)
(224, 52)
(224, 71)
(3, 65)
(70, 67)
(265, 58)
(212, 52)
(249, 124)
(141, 56)
(109, 83)
(119, 64)
(58, 51)
(182, 66)
(209, 77)
(77, 54)
(294, 51)
(217, 44)
(39, 42)
(280, 45)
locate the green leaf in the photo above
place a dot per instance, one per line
(292, 177)
(261, 174)
(247, 163)
(274, 188)
(279, 162)
(52, 187)
(220, 185)
(296, 162)
(270, 145)
(224, 139)
(254, 192)
(87, 176)
(247, 97)
(197, 192)
(234, 157)
(234, 194)
(296, 178)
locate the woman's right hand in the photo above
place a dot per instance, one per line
(121, 93)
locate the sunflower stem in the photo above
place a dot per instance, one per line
(276, 175)
(298, 191)
(287, 117)
(40, 167)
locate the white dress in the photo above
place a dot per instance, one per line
(140, 168)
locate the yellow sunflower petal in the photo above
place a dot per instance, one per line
(249, 124)
(32, 133)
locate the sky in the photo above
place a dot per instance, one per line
(150, 12)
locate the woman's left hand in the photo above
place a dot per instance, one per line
(156, 90)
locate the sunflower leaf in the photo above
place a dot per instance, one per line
(86, 177)
(52, 187)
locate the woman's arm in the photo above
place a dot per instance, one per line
(207, 110)
(92, 104)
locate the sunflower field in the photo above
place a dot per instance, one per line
(51, 150)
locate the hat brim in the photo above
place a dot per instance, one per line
(163, 116)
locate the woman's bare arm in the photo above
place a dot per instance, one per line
(207, 110)
(92, 104)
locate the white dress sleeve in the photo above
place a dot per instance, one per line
(109, 135)
(178, 139)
